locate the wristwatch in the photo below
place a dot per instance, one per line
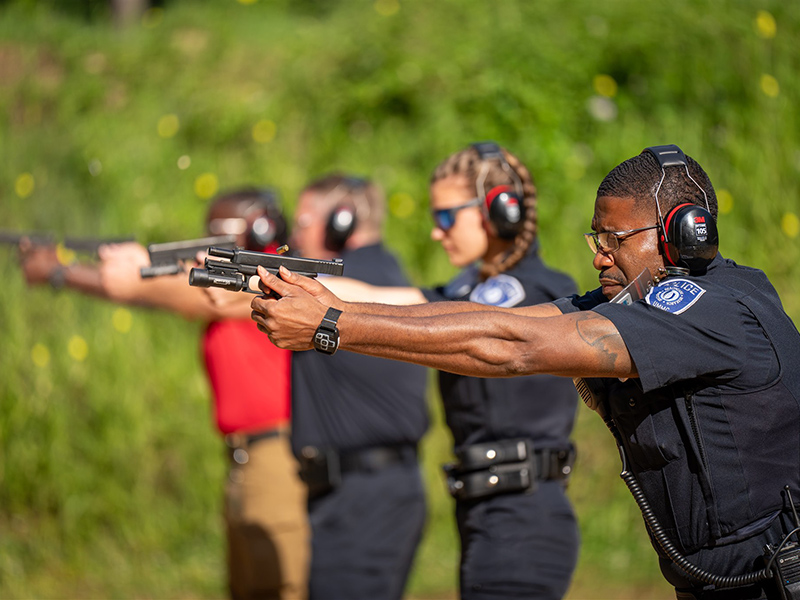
(58, 277)
(326, 337)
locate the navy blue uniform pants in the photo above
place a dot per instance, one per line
(518, 545)
(364, 534)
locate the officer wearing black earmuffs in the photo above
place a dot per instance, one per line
(688, 357)
(356, 420)
(518, 533)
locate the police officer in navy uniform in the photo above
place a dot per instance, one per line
(519, 535)
(696, 376)
(356, 420)
(715, 390)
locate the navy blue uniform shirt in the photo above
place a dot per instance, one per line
(348, 401)
(538, 407)
(712, 424)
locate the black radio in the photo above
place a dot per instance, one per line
(785, 568)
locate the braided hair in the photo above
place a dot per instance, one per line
(468, 164)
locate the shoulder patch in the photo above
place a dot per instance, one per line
(501, 290)
(674, 295)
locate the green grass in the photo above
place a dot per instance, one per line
(110, 472)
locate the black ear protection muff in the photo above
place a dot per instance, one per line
(270, 226)
(503, 204)
(689, 236)
(343, 219)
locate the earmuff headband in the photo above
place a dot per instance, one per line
(671, 155)
(488, 151)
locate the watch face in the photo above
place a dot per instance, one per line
(326, 341)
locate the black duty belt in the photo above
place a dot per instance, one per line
(505, 466)
(321, 468)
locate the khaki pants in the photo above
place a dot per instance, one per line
(267, 523)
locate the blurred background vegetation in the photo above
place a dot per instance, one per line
(110, 471)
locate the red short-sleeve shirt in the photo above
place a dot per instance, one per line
(250, 378)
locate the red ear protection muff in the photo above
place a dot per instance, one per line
(504, 204)
(504, 208)
(689, 237)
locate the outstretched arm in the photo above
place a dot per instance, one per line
(116, 278)
(356, 296)
(120, 272)
(353, 290)
(482, 343)
(40, 264)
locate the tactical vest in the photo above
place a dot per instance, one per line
(712, 463)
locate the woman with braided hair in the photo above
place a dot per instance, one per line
(519, 536)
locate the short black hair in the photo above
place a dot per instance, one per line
(638, 178)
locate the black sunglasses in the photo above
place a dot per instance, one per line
(445, 218)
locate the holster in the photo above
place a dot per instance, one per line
(505, 466)
(320, 470)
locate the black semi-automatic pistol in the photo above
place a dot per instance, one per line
(235, 272)
(167, 259)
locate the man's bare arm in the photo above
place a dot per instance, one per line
(353, 290)
(435, 309)
(496, 343)
(344, 294)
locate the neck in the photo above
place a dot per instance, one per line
(497, 248)
(362, 238)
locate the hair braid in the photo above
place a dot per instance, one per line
(468, 164)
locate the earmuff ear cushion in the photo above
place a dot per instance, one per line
(262, 232)
(339, 227)
(692, 239)
(505, 210)
(270, 226)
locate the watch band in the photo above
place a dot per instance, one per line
(326, 337)
(58, 277)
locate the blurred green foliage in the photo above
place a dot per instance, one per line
(110, 472)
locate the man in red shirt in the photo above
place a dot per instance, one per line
(265, 515)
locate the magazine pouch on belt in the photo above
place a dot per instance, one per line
(504, 466)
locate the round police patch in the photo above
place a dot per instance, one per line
(501, 290)
(674, 295)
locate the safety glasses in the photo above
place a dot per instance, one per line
(608, 242)
(229, 226)
(445, 218)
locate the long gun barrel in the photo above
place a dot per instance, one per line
(37, 238)
(76, 244)
(166, 259)
(239, 266)
(91, 245)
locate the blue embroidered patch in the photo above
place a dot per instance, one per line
(501, 290)
(674, 295)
